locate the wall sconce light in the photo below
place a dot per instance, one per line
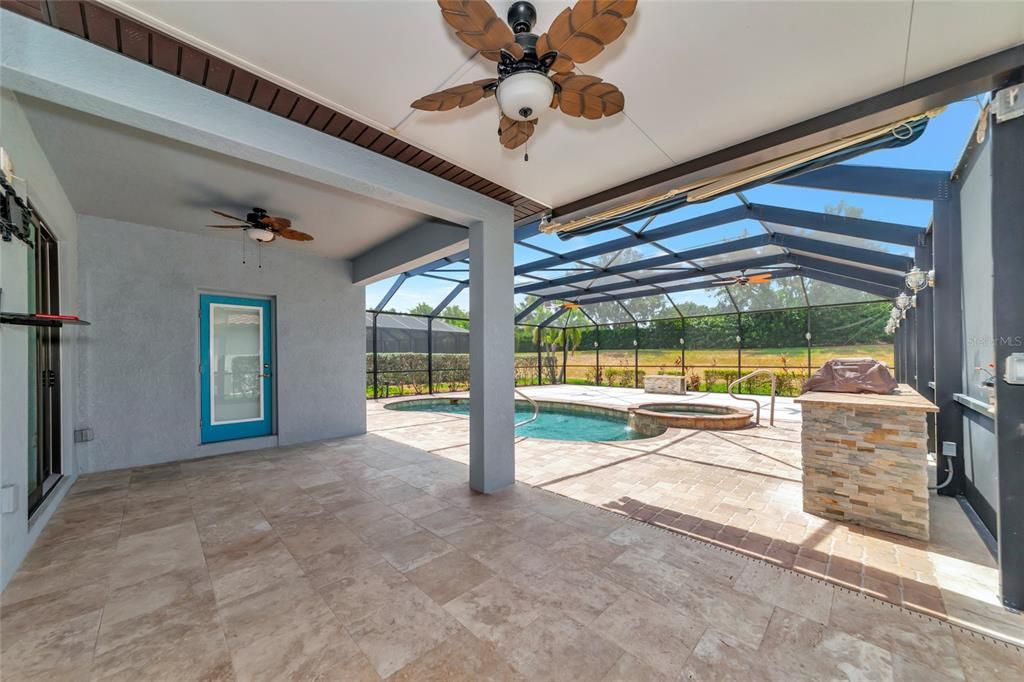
(902, 301)
(917, 279)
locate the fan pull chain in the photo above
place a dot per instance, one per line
(259, 250)
(243, 247)
(526, 151)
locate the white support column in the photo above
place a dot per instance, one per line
(491, 355)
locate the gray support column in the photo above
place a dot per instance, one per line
(947, 295)
(910, 376)
(926, 335)
(1008, 329)
(491, 354)
(897, 347)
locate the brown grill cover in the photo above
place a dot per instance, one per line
(852, 375)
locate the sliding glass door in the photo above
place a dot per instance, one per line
(44, 466)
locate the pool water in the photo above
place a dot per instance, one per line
(553, 423)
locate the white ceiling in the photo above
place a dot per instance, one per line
(113, 171)
(698, 76)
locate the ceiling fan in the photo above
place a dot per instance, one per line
(523, 87)
(261, 227)
(743, 280)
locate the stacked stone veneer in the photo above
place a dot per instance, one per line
(662, 383)
(867, 464)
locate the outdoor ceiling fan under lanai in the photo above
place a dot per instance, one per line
(524, 87)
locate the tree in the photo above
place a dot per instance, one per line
(844, 209)
(421, 309)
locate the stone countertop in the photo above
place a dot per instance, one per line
(903, 398)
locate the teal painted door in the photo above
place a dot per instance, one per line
(235, 368)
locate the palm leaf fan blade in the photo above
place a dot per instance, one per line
(514, 133)
(477, 25)
(588, 96)
(458, 96)
(580, 33)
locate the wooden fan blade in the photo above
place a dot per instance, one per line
(760, 279)
(587, 96)
(226, 215)
(477, 25)
(229, 227)
(457, 96)
(294, 235)
(276, 222)
(513, 133)
(579, 33)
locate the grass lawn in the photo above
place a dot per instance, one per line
(617, 365)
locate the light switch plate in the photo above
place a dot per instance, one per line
(8, 499)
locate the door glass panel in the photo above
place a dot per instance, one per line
(236, 351)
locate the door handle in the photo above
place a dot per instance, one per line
(265, 376)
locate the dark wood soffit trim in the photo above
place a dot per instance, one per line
(988, 73)
(102, 26)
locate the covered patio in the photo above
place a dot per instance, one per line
(272, 331)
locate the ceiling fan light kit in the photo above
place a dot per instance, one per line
(259, 234)
(523, 87)
(523, 96)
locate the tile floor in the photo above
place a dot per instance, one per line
(742, 490)
(367, 558)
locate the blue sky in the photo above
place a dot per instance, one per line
(939, 148)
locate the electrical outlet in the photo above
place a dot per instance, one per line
(948, 448)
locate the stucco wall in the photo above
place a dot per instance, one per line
(138, 362)
(17, 531)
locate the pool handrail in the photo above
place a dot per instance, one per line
(771, 418)
(536, 408)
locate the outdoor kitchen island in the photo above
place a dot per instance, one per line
(865, 458)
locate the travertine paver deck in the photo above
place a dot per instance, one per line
(742, 490)
(365, 559)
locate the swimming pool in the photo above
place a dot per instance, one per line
(556, 421)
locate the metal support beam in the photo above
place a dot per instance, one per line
(554, 316)
(1008, 330)
(947, 295)
(892, 233)
(850, 283)
(669, 277)
(729, 215)
(689, 286)
(399, 281)
(874, 276)
(448, 299)
(888, 182)
(853, 254)
(649, 263)
(525, 312)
